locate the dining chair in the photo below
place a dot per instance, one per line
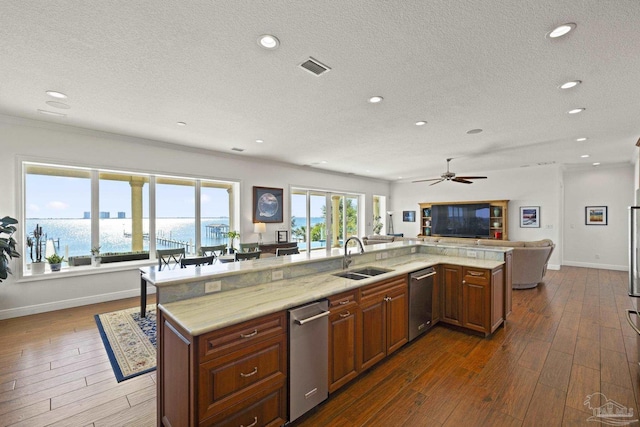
(287, 251)
(216, 250)
(197, 261)
(167, 256)
(243, 256)
(249, 247)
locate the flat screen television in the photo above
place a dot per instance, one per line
(461, 220)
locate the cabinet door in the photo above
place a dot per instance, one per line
(374, 330)
(343, 345)
(476, 300)
(397, 317)
(451, 294)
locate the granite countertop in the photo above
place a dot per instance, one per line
(217, 310)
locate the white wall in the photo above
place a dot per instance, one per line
(595, 245)
(33, 140)
(532, 186)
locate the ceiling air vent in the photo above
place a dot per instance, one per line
(314, 66)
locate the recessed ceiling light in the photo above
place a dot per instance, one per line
(399, 177)
(57, 104)
(181, 124)
(259, 141)
(584, 156)
(56, 94)
(375, 99)
(576, 110)
(596, 164)
(51, 113)
(561, 30)
(581, 139)
(268, 41)
(474, 131)
(421, 123)
(569, 85)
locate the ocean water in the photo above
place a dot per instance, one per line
(72, 237)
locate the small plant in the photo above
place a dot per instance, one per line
(377, 225)
(55, 259)
(34, 241)
(232, 235)
(7, 245)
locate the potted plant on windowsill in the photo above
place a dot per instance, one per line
(34, 241)
(7, 245)
(232, 235)
(55, 262)
(95, 256)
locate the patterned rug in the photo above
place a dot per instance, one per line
(130, 341)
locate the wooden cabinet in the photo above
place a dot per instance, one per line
(344, 339)
(498, 217)
(385, 319)
(473, 298)
(232, 375)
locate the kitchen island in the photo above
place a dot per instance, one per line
(223, 356)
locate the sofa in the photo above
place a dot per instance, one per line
(529, 262)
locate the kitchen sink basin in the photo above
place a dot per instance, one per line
(371, 271)
(362, 273)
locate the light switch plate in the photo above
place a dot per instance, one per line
(277, 275)
(472, 254)
(212, 286)
(413, 250)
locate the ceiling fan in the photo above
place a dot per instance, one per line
(450, 176)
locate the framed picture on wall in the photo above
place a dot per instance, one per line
(267, 204)
(409, 216)
(530, 216)
(595, 215)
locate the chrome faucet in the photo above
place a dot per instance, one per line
(346, 262)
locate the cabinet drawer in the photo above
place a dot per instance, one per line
(341, 300)
(227, 340)
(381, 288)
(262, 409)
(477, 276)
(227, 380)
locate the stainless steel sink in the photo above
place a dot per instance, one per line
(362, 273)
(371, 271)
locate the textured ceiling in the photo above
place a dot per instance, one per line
(139, 67)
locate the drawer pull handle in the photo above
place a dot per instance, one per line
(252, 334)
(387, 299)
(345, 302)
(255, 421)
(476, 273)
(255, 371)
(345, 314)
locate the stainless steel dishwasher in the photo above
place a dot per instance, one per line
(421, 301)
(308, 357)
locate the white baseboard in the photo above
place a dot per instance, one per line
(553, 267)
(593, 265)
(76, 302)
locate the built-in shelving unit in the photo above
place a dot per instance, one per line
(498, 217)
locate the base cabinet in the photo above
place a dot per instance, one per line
(385, 319)
(232, 376)
(344, 339)
(473, 298)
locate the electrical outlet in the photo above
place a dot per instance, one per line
(277, 275)
(385, 255)
(378, 256)
(472, 254)
(413, 250)
(212, 286)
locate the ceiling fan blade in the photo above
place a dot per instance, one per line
(424, 180)
(472, 177)
(461, 180)
(437, 182)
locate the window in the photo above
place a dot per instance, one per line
(315, 227)
(80, 208)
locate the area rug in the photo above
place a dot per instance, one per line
(130, 341)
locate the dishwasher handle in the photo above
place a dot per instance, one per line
(432, 273)
(312, 318)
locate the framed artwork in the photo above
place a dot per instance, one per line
(267, 204)
(409, 216)
(595, 215)
(530, 216)
(282, 236)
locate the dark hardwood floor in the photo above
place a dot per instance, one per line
(564, 341)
